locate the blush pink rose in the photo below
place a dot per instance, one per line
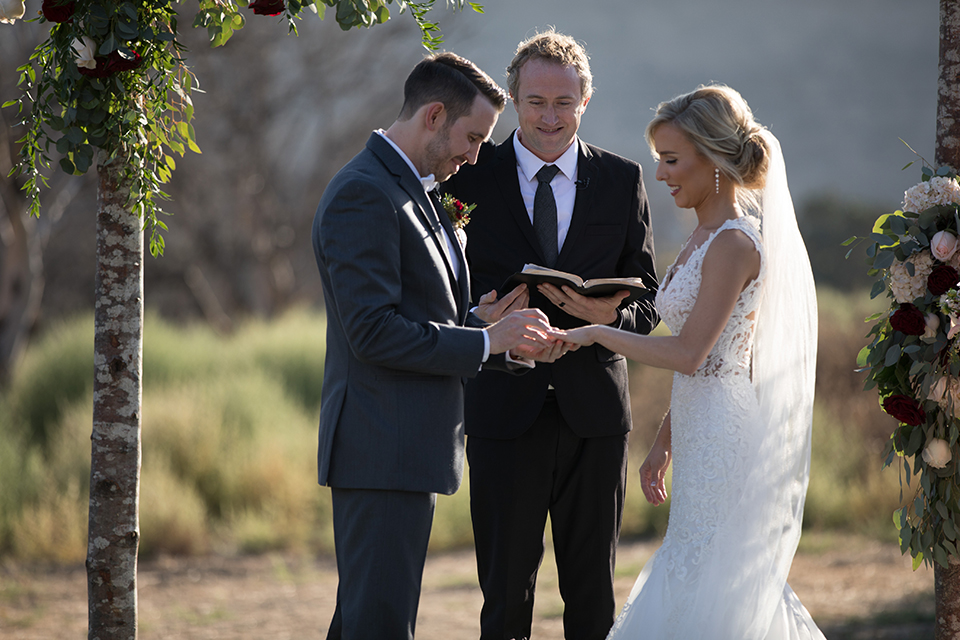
(943, 245)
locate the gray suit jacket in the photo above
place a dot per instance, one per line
(398, 350)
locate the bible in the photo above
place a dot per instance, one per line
(532, 275)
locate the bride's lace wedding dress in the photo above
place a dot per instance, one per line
(722, 554)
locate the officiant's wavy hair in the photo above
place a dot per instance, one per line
(553, 47)
(720, 125)
(452, 80)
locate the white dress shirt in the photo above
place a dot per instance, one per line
(564, 184)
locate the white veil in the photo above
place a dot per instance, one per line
(756, 547)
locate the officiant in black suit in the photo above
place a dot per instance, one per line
(401, 343)
(555, 440)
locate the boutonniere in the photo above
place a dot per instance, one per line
(458, 212)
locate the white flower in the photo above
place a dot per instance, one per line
(86, 50)
(11, 10)
(907, 288)
(937, 190)
(937, 453)
(943, 245)
(933, 323)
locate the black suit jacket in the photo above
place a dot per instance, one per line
(610, 236)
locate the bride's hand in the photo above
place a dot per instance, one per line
(652, 474)
(582, 336)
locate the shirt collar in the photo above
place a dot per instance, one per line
(429, 183)
(530, 163)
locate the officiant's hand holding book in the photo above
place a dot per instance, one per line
(533, 275)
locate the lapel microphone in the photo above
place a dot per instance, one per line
(583, 183)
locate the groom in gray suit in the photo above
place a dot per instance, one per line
(401, 343)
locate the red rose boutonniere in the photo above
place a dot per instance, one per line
(458, 212)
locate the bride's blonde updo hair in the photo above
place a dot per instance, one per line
(720, 125)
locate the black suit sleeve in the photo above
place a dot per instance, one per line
(638, 259)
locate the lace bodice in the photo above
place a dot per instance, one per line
(732, 352)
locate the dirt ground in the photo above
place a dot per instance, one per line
(855, 588)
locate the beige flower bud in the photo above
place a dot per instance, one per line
(937, 453)
(933, 323)
(86, 50)
(11, 10)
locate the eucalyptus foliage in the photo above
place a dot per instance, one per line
(915, 368)
(111, 79)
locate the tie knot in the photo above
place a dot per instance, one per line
(547, 172)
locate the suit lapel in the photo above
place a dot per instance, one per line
(462, 281)
(588, 176)
(432, 219)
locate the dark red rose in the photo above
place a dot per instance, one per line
(909, 320)
(905, 409)
(267, 7)
(942, 279)
(58, 10)
(117, 63)
(111, 64)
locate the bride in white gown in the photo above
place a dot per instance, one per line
(741, 307)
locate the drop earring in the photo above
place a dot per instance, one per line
(716, 177)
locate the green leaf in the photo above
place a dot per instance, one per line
(108, 46)
(892, 356)
(82, 162)
(862, 356)
(949, 530)
(917, 560)
(941, 556)
(942, 510)
(884, 259)
(878, 287)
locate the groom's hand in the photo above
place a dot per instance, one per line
(593, 310)
(522, 332)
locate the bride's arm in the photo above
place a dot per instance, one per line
(654, 468)
(730, 263)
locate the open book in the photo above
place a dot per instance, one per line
(533, 275)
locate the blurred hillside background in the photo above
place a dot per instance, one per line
(234, 337)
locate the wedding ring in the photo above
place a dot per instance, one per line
(561, 304)
(653, 484)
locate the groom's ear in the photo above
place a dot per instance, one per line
(434, 116)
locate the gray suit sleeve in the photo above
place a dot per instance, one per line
(367, 244)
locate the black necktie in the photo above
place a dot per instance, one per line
(545, 214)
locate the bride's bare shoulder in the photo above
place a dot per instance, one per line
(732, 251)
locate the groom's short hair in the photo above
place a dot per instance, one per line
(452, 80)
(552, 47)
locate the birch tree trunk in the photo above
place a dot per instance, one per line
(114, 533)
(947, 581)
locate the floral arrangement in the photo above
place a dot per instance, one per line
(913, 358)
(109, 84)
(458, 212)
